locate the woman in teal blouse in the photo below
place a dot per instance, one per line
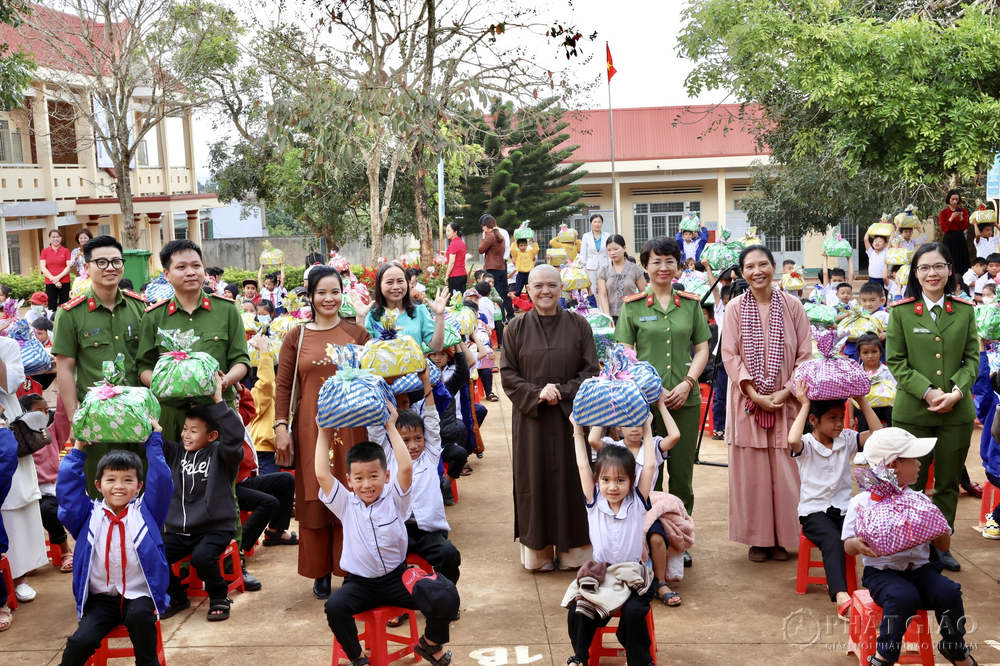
(392, 292)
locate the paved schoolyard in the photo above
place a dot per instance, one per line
(733, 610)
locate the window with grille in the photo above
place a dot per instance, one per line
(141, 153)
(14, 253)
(849, 231)
(542, 237)
(103, 229)
(793, 244)
(11, 146)
(772, 242)
(659, 219)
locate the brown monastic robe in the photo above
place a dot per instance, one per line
(549, 505)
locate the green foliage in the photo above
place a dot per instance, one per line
(233, 275)
(22, 287)
(16, 68)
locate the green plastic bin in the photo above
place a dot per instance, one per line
(137, 267)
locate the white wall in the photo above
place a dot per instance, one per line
(227, 222)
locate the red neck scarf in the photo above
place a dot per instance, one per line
(116, 521)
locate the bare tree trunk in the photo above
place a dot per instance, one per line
(374, 208)
(421, 206)
(130, 239)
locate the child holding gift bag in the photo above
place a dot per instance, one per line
(823, 449)
(904, 582)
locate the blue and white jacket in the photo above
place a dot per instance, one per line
(147, 514)
(986, 401)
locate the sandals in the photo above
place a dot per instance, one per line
(397, 621)
(492, 397)
(844, 609)
(952, 657)
(5, 617)
(280, 540)
(425, 650)
(467, 470)
(67, 563)
(219, 610)
(174, 608)
(667, 597)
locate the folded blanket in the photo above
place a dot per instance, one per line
(613, 592)
(677, 524)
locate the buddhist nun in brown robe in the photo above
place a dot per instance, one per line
(547, 353)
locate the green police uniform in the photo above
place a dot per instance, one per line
(221, 334)
(89, 332)
(664, 337)
(926, 354)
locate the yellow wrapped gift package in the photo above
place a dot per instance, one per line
(899, 256)
(249, 322)
(566, 234)
(273, 347)
(392, 353)
(908, 219)
(858, 322)
(271, 256)
(794, 281)
(880, 228)
(903, 275)
(751, 238)
(574, 277)
(80, 285)
(556, 257)
(983, 215)
(882, 394)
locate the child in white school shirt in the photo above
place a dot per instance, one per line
(373, 512)
(906, 582)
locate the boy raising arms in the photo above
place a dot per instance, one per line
(375, 542)
(120, 574)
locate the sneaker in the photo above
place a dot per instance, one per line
(860, 459)
(24, 593)
(992, 529)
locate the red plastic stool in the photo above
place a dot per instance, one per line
(243, 519)
(8, 580)
(376, 636)
(106, 652)
(990, 495)
(929, 488)
(480, 392)
(195, 586)
(706, 406)
(866, 616)
(55, 553)
(806, 562)
(597, 649)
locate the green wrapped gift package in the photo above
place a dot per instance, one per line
(837, 246)
(722, 254)
(988, 321)
(524, 232)
(604, 339)
(822, 315)
(181, 373)
(115, 413)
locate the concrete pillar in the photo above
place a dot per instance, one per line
(5, 252)
(722, 198)
(194, 226)
(50, 224)
(154, 240)
(43, 143)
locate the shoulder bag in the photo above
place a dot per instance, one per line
(31, 432)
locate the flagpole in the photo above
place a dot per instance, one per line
(614, 180)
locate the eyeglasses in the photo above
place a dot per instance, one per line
(116, 263)
(937, 268)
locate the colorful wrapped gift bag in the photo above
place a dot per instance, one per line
(988, 321)
(794, 281)
(993, 356)
(604, 339)
(392, 353)
(836, 246)
(880, 228)
(273, 347)
(34, 355)
(10, 308)
(722, 254)
(566, 235)
(599, 320)
(353, 397)
(115, 413)
(612, 398)
(339, 263)
(898, 520)
(751, 238)
(159, 289)
(832, 377)
(908, 219)
(556, 257)
(347, 310)
(271, 256)
(411, 382)
(859, 322)
(691, 279)
(465, 319)
(983, 215)
(574, 277)
(524, 232)
(821, 315)
(690, 223)
(642, 373)
(180, 372)
(282, 325)
(898, 256)
(882, 393)
(700, 290)
(80, 285)
(903, 275)
(250, 324)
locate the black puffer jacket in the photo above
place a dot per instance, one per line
(452, 431)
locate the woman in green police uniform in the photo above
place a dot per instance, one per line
(932, 351)
(661, 324)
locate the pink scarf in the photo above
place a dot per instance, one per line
(764, 368)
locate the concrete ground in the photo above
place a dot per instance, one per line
(734, 611)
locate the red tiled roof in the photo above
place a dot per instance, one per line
(649, 133)
(64, 54)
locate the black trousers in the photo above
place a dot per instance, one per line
(500, 282)
(101, 614)
(436, 549)
(632, 632)
(486, 376)
(902, 593)
(458, 283)
(884, 415)
(269, 498)
(823, 528)
(49, 508)
(205, 550)
(520, 283)
(57, 293)
(455, 456)
(435, 596)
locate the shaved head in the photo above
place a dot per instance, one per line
(544, 286)
(542, 269)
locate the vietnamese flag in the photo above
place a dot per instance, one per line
(611, 65)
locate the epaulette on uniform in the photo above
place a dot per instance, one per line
(134, 294)
(959, 299)
(905, 300)
(688, 294)
(157, 304)
(73, 302)
(634, 297)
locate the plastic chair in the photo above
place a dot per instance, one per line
(196, 587)
(598, 650)
(929, 488)
(866, 616)
(990, 496)
(8, 582)
(106, 652)
(706, 406)
(806, 562)
(376, 636)
(55, 553)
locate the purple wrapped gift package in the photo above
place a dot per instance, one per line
(898, 520)
(832, 377)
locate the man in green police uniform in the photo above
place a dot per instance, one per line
(662, 325)
(95, 327)
(214, 320)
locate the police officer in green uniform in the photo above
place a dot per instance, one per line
(95, 327)
(214, 320)
(932, 351)
(662, 325)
